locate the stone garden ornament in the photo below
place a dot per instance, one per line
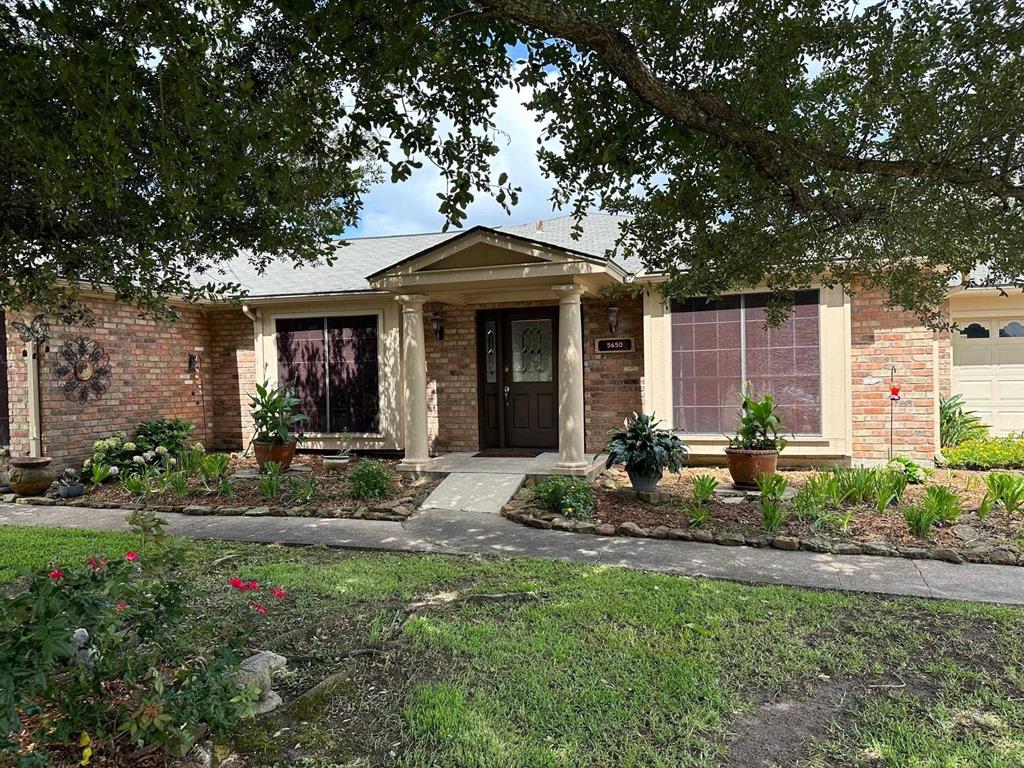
(85, 367)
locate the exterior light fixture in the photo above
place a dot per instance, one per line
(437, 325)
(613, 319)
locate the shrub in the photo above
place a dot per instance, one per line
(773, 513)
(172, 434)
(943, 502)
(114, 451)
(1006, 489)
(370, 479)
(957, 425)
(644, 449)
(271, 480)
(914, 473)
(988, 453)
(569, 496)
(919, 519)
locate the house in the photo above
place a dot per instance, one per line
(516, 338)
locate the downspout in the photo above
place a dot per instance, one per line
(35, 413)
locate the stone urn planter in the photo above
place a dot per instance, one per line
(280, 453)
(31, 475)
(644, 483)
(746, 466)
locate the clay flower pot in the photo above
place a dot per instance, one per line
(31, 475)
(747, 466)
(280, 453)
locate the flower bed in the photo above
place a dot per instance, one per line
(997, 537)
(307, 490)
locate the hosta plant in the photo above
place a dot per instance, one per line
(645, 450)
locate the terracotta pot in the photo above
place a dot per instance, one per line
(31, 475)
(281, 453)
(747, 466)
(643, 483)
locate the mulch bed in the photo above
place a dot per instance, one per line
(998, 538)
(333, 499)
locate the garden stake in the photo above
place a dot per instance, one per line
(894, 395)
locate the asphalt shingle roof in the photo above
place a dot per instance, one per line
(363, 256)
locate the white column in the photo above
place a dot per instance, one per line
(414, 375)
(570, 378)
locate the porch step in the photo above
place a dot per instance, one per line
(474, 492)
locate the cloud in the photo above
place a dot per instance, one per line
(411, 206)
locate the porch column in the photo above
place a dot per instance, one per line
(414, 375)
(570, 377)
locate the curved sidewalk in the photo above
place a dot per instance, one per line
(462, 533)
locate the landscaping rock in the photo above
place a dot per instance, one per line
(652, 497)
(730, 539)
(9, 498)
(582, 526)
(258, 512)
(945, 554)
(879, 548)
(563, 524)
(198, 509)
(966, 533)
(231, 511)
(536, 522)
(760, 541)
(36, 501)
(605, 529)
(705, 537)
(1003, 556)
(977, 553)
(815, 545)
(733, 500)
(680, 534)
(848, 548)
(660, 532)
(914, 553)
(631, 529)
(788, 543)
(403, 511)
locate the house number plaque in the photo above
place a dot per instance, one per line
(617, 344)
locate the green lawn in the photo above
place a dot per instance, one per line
(608, 668)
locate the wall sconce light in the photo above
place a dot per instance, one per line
(193, 363)
(613, 319)
(437, 325)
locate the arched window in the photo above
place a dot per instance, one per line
(975, 331)
(1012, 330)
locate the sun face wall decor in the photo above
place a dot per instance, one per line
(85, 367)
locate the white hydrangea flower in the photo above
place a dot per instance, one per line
(129, 446)
(161, 451)
(115, 471)
(138, 460)
(172, 461)
(149, 455)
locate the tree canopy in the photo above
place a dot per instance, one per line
(758, 143)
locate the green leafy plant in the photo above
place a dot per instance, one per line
(857, 484)
(214, 466)
(700, 506)
(888, 489)
(643, 449)
(833, 521)
(304, 489)
(989, 453)
(99, 473)
(1006, 489)
(760, 425)
(572, 497)
(171, 434)
(271, 480)
(225, 487)
(920, 519)
(274, 414)
(190, 461)
(370, 479)
(957, 425)
(773, 512)
(136, 485)
(807, 504)
(827, 487)
(914, 473)
(942, 502)
(177, 483)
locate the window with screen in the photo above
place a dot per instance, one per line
(330, 363)
(719, 345)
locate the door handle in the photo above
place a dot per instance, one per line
(507, 390)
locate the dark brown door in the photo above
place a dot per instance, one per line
(518, 378)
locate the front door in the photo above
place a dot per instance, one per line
(518, 377)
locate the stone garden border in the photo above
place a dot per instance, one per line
(534, 518)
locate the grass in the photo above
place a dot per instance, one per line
(609, 667)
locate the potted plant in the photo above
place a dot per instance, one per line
(645, 450)
(274, 414)
(754, 451)
(337, 460)
(30, 475)
(69, 485)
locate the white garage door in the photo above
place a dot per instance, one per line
(988, 370)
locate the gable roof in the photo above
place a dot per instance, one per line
(362, 257)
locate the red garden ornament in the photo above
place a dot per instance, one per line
(894, 392)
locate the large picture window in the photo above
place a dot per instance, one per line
(719, 345)
(331, 365)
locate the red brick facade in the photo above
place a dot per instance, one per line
(611, 382)
(151, 379)
(883, 338)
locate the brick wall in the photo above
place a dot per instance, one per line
(611, 381)
(149, 362)
(882, 338)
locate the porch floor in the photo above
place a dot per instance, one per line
(533, 468)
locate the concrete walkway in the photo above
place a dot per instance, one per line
(459, 532)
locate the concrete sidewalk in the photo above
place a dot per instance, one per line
(460, 532)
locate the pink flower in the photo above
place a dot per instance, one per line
(279, 593)
(94, 564)
(258, 607)
(120, 606)
(56, 574)
(131, 555)
(237, 583)
(254, 586)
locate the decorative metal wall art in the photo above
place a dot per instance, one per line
(86, 368)
(36, 330)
